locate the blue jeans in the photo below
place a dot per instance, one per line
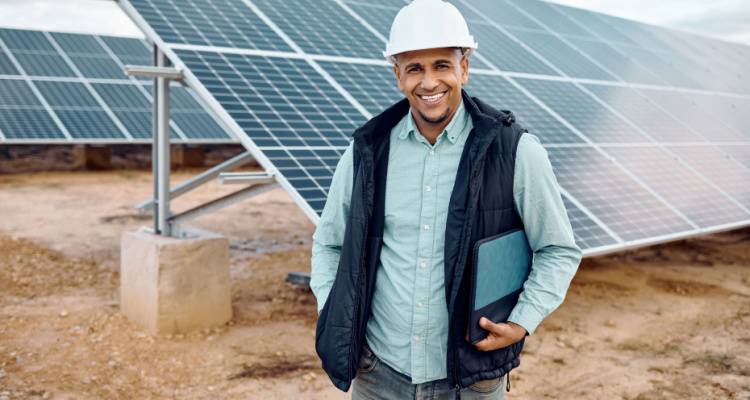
(377, 381)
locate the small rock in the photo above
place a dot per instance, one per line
(2, 373)
(179, 336)
(210, 338)
(64, 313)
(610, 323)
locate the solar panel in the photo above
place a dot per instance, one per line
(698, 119)
(6, 66)
(729, 175)
(80, 106)
(588, 234)
(505, 53)
(648, 117)
(594, 24)
(499, 92)
(21, 112)
(551, 18)
(608, 192)
(619, 64)
(296, 84)
(499, 12)
(223, 23)
(372, 85)
(567, 59)
(325, 28)
(691, 194)
(78, 110)
(379, 16)
(586, 114)
(740, 153)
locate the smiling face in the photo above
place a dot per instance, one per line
(431, 80)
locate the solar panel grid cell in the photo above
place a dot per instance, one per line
(505, 53)
(610, 194)
(567, 59)
(588, 234)
(500, 93)
(325, 28)
(373, 86)
(619, 64)
(698, 119)
(718, 167)
(551, 18)
(582, 111)
(223, 23)
(78, 110)
(649, 118)
(680, 186)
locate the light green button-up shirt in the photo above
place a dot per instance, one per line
(408, 329)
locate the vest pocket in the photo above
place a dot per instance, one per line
(368, 361)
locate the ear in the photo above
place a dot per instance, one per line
(397, 73)
(465, 70)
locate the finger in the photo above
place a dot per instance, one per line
(488, 325)
(491, 343)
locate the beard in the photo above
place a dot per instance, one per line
(437, 120)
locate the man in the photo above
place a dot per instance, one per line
(419, 186)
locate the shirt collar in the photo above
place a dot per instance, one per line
(453, 130)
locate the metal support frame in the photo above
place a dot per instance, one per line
(200, 179)
(160, 151)
(244, 177)
(221, 202)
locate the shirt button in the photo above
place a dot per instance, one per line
(419, 305)
(432, 152)
(428, 188)
(426, 227)
(417, 338)
(423, 264)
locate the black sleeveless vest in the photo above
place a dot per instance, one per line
(481, 205)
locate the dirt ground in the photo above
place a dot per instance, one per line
(666, 322)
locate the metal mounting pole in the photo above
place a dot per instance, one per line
(163, 149)
(154, 135)
(160, 152)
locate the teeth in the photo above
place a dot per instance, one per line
(433, 98)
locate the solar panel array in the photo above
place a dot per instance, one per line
(649, 141)
(64, 87)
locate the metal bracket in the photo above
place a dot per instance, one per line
(222, 202)
(244, 177)
(200, 179)
(173, 74)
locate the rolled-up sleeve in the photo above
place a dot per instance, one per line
(556, 255)
(329, 234)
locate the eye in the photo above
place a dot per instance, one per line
(413, 69)
(442, 66)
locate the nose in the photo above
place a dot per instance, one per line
(429, 81)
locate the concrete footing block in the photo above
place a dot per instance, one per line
(175, 285)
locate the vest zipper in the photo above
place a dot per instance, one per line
(355, 323)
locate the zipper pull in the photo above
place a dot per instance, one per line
(458, 392)
(507, 382)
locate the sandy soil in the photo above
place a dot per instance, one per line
(667, 322)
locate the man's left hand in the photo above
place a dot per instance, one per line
(500, 335)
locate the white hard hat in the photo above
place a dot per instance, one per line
(428, 24)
